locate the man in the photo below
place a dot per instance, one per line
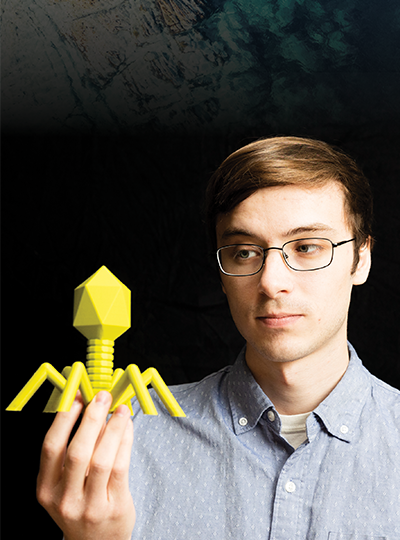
(296, 440)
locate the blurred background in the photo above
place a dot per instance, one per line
(114, 116)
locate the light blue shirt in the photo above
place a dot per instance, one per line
(225, 472)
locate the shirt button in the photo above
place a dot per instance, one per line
(290, 487)
(344, 429)
(243, 421)
(271, 416)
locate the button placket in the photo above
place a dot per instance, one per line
(289, 498)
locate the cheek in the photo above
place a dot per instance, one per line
(239, 287)
(223, 286)
(240, 296)
(331, 299)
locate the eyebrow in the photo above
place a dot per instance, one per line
(311, 228)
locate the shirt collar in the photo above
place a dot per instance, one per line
(339, 412)
(341, 409)
(247, 400)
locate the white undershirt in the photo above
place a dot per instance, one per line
(294, 428)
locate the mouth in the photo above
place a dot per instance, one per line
(278, 320)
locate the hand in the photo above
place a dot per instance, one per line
(84, 486)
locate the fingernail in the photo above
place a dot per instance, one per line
(77, 401)
(102, 398)
(78, 397)
(122, 410)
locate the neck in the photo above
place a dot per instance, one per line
(299, 386)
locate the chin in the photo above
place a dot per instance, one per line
(282, 350)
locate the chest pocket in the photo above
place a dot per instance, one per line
(355, 536)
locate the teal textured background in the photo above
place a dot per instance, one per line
(130, 66)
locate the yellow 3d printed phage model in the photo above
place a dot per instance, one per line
(101, 314)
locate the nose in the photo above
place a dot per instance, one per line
(275, 276)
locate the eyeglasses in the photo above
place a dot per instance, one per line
(302, 255)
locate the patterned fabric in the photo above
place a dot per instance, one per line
(226, 472)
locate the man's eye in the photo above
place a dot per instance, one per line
(308, 249)
(245, 254)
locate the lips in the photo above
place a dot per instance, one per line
(276, 320)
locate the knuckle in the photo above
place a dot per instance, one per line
(112, 512)
(64, 508)
(50, 447)
(74, 457)
(92, 413)
(118, 513)
(120, 470)
(100, 466)
(93, 515)
(67, 511)
(43, 496)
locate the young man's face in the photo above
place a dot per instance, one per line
(286, 315)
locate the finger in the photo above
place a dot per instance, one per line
(105, 456)
(119, 478)
(54, 449)
(80, 451)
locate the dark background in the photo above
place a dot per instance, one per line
(81, 190)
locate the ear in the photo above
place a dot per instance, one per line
(360, 274)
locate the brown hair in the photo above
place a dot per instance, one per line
(280, 161)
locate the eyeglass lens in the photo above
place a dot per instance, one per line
(302, 254)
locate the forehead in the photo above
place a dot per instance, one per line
(284, 211)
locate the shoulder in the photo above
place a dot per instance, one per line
(386, 398)
(381, 412)
(378, 395)
(196, 399)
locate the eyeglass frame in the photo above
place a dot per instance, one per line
(334, 245)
